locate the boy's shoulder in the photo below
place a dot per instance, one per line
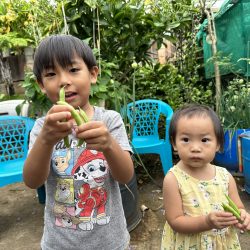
(101, 112)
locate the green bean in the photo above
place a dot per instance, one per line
(73, 112)
(232, 204)
(80, 117)
(83, 115)
(62, 94)
(228, 208)
(62, 98)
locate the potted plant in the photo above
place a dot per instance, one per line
(234, 112)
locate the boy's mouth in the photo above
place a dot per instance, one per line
(70, 96)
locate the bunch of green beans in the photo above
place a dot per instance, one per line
(80, 117)
(231, 207)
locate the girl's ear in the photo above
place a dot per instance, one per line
(173, 144)
(93, 74)
(218, 148)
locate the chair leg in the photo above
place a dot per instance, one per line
(41, 194)
(166, 160)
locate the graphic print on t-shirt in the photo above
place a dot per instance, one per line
(84, 186)
(64, 191)
(63, 161)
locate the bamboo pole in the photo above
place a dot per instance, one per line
(212, 34)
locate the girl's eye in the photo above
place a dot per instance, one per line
(205, 140)
(185, 139)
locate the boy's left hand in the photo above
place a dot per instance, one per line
(96, 135)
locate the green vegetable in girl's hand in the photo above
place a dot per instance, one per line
(231, 207)
(232, 204)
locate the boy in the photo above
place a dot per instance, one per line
(83, 202)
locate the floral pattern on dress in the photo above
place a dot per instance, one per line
(199, 198)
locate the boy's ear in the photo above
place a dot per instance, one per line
(40, 84)
(94, 74)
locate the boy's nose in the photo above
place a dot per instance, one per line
(65, 79)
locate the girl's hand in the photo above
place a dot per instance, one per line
(220, 219)
(58, 124)
(96, 135)
(245, 218)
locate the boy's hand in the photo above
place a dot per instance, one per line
(96, 135)
(221, 219)
(58, 124)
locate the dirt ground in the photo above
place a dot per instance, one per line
(21, 218)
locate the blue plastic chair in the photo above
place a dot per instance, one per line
(14, 138)
(144, 118)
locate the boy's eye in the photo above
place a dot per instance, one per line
(74, 69)
(49, 74)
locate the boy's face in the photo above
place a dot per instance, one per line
(76, 78)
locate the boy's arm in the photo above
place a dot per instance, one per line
(120, 162)
(107, 136)
(37, 165)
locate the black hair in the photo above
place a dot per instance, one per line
(60, 49)
(196, 110)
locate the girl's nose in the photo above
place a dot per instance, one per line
(195, 147)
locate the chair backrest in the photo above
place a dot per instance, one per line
(14, 137)
(144, 116)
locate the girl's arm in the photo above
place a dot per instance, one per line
(187, 224)
(233, 192)
(234, 195)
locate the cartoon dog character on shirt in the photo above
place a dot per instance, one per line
(92, 168)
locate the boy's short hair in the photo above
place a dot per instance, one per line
(60, 49)
(192, 110)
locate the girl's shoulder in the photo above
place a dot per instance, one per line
(221, 171)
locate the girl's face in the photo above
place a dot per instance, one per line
(196, 142)
(76, 78)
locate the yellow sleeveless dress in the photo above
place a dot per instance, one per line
(199, 198)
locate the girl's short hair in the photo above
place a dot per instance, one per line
(192, 110)
(60, 49)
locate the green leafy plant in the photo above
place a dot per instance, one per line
(38, 102)
(234, 108)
